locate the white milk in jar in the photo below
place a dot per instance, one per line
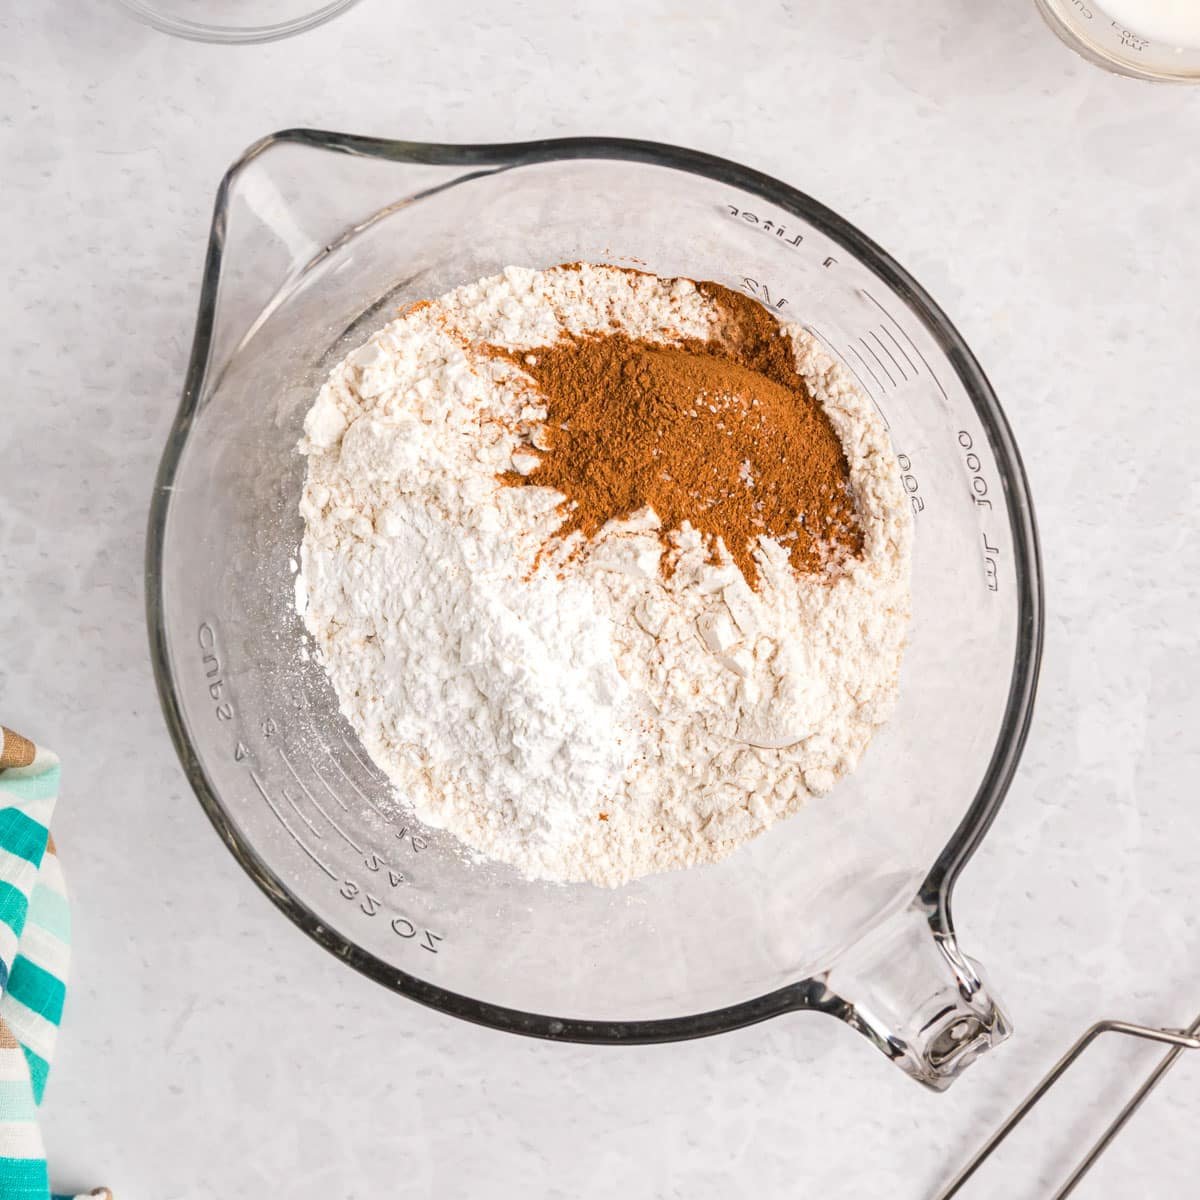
(1169, 22)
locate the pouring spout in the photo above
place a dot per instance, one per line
(909, 988)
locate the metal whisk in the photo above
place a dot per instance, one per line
(1178, 1039)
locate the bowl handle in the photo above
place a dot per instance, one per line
(908, 987)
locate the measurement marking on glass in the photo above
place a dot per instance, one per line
(828, 344)
(371, 771)
(890, 355)
(904, 335)
(290, 831)
(296, 809)
(867, 347)
(346, 777)
(313, 801)
(867, 367)
(892, 338)
(324, 783)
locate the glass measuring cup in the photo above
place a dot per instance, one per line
(317, 238)
(1147, 39)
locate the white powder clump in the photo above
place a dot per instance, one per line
(581, 715)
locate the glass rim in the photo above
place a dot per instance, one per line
(201, 31)
(934, 892)
(1074, 36)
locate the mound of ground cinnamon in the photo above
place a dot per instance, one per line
(722, 434)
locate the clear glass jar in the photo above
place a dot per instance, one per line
(235, 20)
(1126, 44)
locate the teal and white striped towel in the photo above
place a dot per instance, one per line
(35, 951)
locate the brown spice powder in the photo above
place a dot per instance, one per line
(722, 434)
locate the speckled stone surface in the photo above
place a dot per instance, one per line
(210, 1049)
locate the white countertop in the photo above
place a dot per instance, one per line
(210, 1049)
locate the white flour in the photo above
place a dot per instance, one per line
(587, 720)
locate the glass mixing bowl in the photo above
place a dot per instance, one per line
(317, 239)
